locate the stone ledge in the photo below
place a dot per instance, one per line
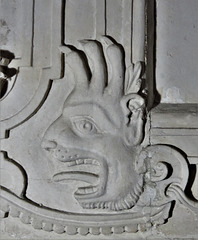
(176, 116)
(176, 124)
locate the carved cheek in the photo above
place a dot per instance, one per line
(67, 138)
(112, 148)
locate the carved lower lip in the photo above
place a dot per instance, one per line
(79, 176)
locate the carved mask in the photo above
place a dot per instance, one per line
(100, 129)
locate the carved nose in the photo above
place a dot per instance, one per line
(47, 145)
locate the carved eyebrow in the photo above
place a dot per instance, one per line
(100, 111)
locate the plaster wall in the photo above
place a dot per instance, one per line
(177, 51)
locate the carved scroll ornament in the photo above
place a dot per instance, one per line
(119, 184)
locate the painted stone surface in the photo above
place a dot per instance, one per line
(79, 149)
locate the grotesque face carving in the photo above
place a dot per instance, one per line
(97, 136)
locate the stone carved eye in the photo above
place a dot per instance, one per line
(85, 126)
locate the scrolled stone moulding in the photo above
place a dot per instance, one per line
(175, 191)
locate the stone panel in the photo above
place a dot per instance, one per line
(177, 51)
(80, 153)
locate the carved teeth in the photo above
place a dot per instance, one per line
(91, 161)
(91, 189)
(83, 161)
(79, 161)
(80, 191)
(72, 163)
(86, 190)
(87, 161)
(95, 162)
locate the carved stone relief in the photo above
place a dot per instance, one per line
(75, 156)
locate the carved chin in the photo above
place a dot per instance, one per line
(127, 201)
(120, 195)
(96, 195)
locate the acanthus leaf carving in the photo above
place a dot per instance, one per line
(133, 78)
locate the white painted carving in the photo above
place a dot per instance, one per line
(97, 140)
(74, 157)
(100, 125)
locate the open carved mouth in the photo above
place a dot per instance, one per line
(93, 171)
(87, 170)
